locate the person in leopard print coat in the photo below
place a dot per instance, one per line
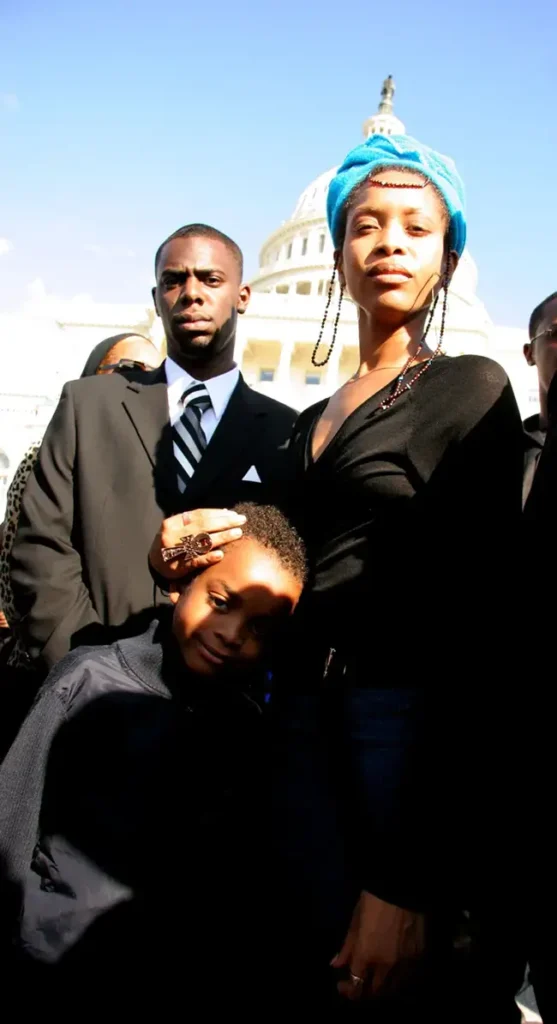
(13, 502)
(104, 358)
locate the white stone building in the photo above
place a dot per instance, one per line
(49, 343)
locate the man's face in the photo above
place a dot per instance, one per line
(542, 352)
(198, 297)
(393, 257)
(225, 616)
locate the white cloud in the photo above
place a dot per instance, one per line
(9, 101)
(5, 246)
(40, 302)
(95, 249)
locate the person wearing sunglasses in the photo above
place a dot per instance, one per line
(122, 352)
(537, 907)
(540, 351)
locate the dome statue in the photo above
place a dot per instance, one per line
(387, 95)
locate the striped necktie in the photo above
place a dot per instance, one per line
(188, 439)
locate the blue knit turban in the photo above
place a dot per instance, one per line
(398, 151)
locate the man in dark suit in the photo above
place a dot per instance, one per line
(123, 453)
(540, 351)
(538, 903)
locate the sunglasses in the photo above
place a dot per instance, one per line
(126, 364)
(550, 334)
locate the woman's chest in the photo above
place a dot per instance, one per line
(356, 401)
(366, 461)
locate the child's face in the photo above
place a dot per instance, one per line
(224, 616)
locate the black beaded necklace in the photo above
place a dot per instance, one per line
(399, 386)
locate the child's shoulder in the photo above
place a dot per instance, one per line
(87, 673)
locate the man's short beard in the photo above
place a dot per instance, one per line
(205, 348)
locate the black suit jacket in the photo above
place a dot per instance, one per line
(104, 480)
(541, 506)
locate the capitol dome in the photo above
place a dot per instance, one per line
(313, 199)
(297, 258)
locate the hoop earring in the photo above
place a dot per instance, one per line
(324, 361)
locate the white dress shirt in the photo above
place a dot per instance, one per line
(219, 388)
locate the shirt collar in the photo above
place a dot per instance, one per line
(155, 659)
(220, 388)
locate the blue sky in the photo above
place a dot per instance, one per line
(122, 120)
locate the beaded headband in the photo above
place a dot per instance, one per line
(396, 184)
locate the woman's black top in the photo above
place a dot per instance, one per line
(409, 514)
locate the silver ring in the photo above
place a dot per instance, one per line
(355, 979)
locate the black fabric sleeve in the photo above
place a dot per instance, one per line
(160, 583)
(541, 506)
(47, 578)
(467, 443)
(22, 777)
(460, 590)
(294, 465)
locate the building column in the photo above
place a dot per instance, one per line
(239, 350)
(283, 380)
(156, 332)
(283, 368)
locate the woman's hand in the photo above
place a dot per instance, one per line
(222, 525)
(381, 937)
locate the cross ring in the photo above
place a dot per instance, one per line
(191, 547)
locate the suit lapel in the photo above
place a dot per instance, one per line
(146, 406)
(228, 456)
(229, 447)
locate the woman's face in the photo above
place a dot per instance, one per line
(393, 257)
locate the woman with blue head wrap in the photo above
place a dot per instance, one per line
(412, 199)
(409, 484)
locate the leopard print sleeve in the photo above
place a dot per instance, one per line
(13, 504)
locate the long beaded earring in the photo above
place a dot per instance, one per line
(324, 361)
(446, 283)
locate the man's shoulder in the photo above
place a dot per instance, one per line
(278, 410)
(306, 419)
(94, 397)
(106, 386)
